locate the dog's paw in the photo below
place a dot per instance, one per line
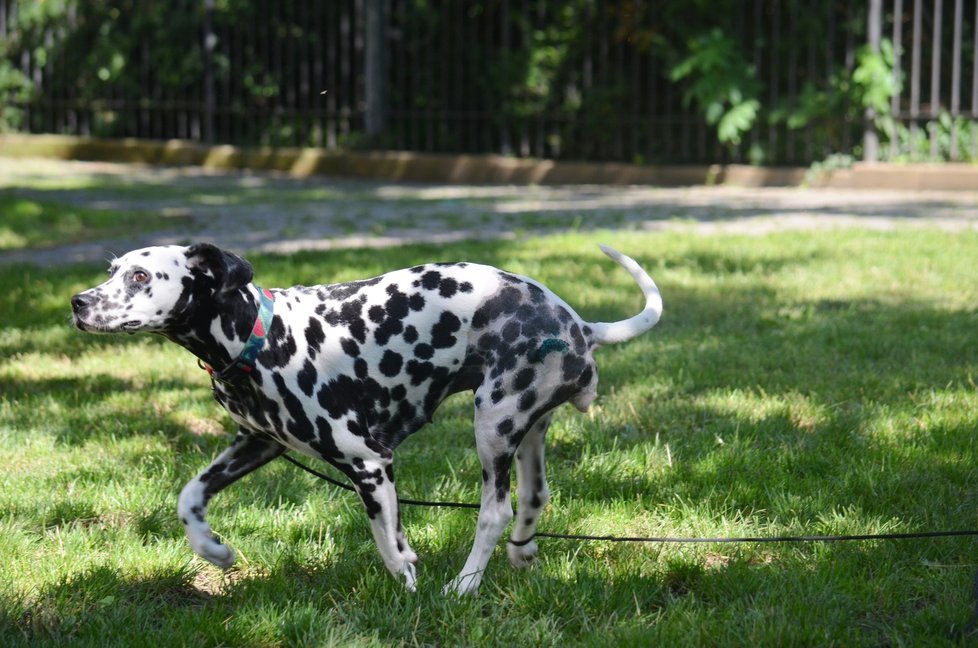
(409, 573)
(463, 585)
(216, 553)
(523, 555)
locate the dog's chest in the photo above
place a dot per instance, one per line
(373, 357)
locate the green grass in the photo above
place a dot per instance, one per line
(26, 223)
(798, 383)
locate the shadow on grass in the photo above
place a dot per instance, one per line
(100, 602)
(97, 408)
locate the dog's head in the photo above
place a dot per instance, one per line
(157, 288)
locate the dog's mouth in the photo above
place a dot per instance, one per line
(90, 327)
(131, 326)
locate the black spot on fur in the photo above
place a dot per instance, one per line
(527, 400)
(524, 378)
(572, 365)
(360, 368)
(424, 351)
(419, 371)
(280, 346)
(406, 410)
(388, 329)
(430, 280)
(511, 330)
(410, 334)
(376, 314)
(390, 364)
(338, 396)
(441, 333)
(349, 316)
(398, 304)
(586, 376)
(306, 378)
(300, 426)
(501, 466)
(341, 292)
(448, 287)
(504, 302)
(350, 347)
(416, 302)
(315, 335)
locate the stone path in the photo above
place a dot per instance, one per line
(271, 212)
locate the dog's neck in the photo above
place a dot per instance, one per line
(219, 326)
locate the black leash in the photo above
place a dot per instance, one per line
(402, 500)
(667, 539)
(970, 628)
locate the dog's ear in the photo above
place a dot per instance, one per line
(230, 271)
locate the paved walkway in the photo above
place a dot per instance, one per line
(272, 212)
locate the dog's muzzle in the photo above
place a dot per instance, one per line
(81, 301)
(81, 305)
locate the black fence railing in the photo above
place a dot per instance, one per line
(759, 81)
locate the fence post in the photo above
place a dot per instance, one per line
(870, 136)
(375, 69)
(956, 79)
(210, 99)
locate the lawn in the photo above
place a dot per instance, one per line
(805, 382)
(28, 223)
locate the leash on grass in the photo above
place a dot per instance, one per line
(969, 629)
(667, 539)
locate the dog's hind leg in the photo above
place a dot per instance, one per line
(497, 434)
(248, 452)
(531, 488)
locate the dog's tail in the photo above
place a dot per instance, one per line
(614, 332)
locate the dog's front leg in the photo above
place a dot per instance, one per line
(248, 452)
(374, 482)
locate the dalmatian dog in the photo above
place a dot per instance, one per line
(345, 372)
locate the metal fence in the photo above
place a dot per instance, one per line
(585, 79)
(932, 125)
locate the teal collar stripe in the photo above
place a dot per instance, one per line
(245, 362)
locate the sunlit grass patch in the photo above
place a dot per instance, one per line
(28, 223)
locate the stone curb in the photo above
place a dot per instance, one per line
(483, 169)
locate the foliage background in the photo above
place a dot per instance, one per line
(763, 81)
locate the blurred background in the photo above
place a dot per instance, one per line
(768, 82)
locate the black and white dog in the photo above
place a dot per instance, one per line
(345, 372)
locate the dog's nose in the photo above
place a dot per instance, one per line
(80, 301)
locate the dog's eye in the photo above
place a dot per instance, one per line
(139, 276)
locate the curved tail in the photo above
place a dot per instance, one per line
(614, 332)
